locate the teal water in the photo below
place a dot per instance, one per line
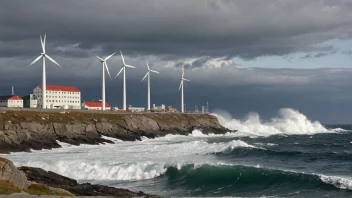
(288, 156)
(317, 165)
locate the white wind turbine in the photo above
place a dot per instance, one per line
(148, 74)
(43, 55)
(105, 66)
(181, 86)
(124, 79)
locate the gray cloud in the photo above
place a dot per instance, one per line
(203, 35)
(215, 28)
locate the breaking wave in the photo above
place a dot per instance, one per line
(289, 122)
(130, 168)
(249, 179)
(233, 177)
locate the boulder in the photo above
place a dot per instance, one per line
(8, 172)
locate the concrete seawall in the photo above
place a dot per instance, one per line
(25, 130)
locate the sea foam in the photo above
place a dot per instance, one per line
(289, 122)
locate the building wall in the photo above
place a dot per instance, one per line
(15, 103)
(58, 99)
(29, 101)
(94, 108)
(159, 108)
(136, 109)
(11, 103)
(3, 103)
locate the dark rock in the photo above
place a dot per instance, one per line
(25, 130)
(86, 189)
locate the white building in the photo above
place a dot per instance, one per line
(58, 97)
(159, 108)
(29, 101)
(11, 101)
(95, 106)
(136, 109)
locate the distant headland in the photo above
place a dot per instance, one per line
(24, 130)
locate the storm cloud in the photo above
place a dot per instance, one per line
(244, 28)
(207, 37)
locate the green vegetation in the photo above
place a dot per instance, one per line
(7, 188)
(41, 189)
(16, 117)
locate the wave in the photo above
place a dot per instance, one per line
(232, 179)
(209, 175)
(151, 164)
(196, 175)
(289, 122)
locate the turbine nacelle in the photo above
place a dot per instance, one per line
(103, 61)
(43, 54)
(149, 70)
(124, 65)
(182, 78)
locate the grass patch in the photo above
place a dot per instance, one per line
(41, 189)
(7, 188)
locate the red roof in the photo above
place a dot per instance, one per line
(10, 98)
(96, 104)
(60, 88)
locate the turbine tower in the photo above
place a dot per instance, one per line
(124, 79)
(43, 55)
(181, 86)
(105, 66)
(148, 74)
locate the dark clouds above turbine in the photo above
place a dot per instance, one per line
(208, 37)
(244, 28)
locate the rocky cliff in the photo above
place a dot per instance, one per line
(25, 130)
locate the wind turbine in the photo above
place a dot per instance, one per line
(124, 79)
(148, 74)
(181, 86)
(43, 55)
(103, 61)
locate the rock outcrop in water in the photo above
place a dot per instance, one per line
(25, 130)
(86, 189)
(35, 181)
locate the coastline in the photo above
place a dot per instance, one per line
(25, 130)
(29, 181)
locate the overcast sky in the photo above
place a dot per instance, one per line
(240, 55)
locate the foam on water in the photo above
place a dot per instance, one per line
(339, 182)
(126, 160)
(289, 122)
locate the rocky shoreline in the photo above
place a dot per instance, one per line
(35, 181)
(25, 130)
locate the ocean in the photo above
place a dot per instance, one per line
(287, 156)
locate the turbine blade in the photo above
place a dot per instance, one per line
(147, 64)
(107, 69)
(130, 66)
(42, 43)
(185, 79)
(145, 76)
(52, 60)
(123, 60)
(180, 85)
(100, 58)
(35, 60)
(154, 71)
(119, 72)
(109, 56)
